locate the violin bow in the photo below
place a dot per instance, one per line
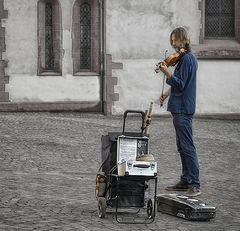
(163, 79)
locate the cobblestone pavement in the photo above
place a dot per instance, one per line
(48, 165)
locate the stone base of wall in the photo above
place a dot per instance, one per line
(218, 116)
(225, 116)
(50, 106)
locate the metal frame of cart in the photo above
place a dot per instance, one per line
(123, 192)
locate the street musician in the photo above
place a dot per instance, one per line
(181, 104)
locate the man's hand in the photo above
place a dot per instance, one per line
(164, 69)
(163, 96)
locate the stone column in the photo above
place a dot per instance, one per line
(4, 96)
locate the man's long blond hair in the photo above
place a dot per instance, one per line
(182, 35)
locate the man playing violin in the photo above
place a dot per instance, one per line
(181, 104)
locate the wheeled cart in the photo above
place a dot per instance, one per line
(127, 181)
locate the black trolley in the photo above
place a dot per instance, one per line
(124, 187)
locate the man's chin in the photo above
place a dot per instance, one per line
(177, 48)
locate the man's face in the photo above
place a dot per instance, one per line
(176, 43)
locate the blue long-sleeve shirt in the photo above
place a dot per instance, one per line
(183, 85)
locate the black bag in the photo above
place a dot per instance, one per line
(109, 152)
(186, 207)
(131, 193)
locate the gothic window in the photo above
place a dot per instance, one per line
(49, 58)
(219, 19)
(85, 37)
(49, 38)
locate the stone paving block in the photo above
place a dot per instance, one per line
(49, 161)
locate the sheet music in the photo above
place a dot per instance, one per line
(127, 149)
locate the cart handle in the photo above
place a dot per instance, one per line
(133, 111)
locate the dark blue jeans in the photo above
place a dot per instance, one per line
(186, 148)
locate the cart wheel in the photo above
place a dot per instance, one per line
(102, 205)
(149, 209)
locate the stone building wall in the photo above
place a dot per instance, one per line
(140, 40)
(135, 36)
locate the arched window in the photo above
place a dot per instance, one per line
(85, 37)
(49, 57)
(49, 38)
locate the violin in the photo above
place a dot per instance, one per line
(171, 60)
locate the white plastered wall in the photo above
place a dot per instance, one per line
(218, 83)
(22, 52)
(138, 36)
